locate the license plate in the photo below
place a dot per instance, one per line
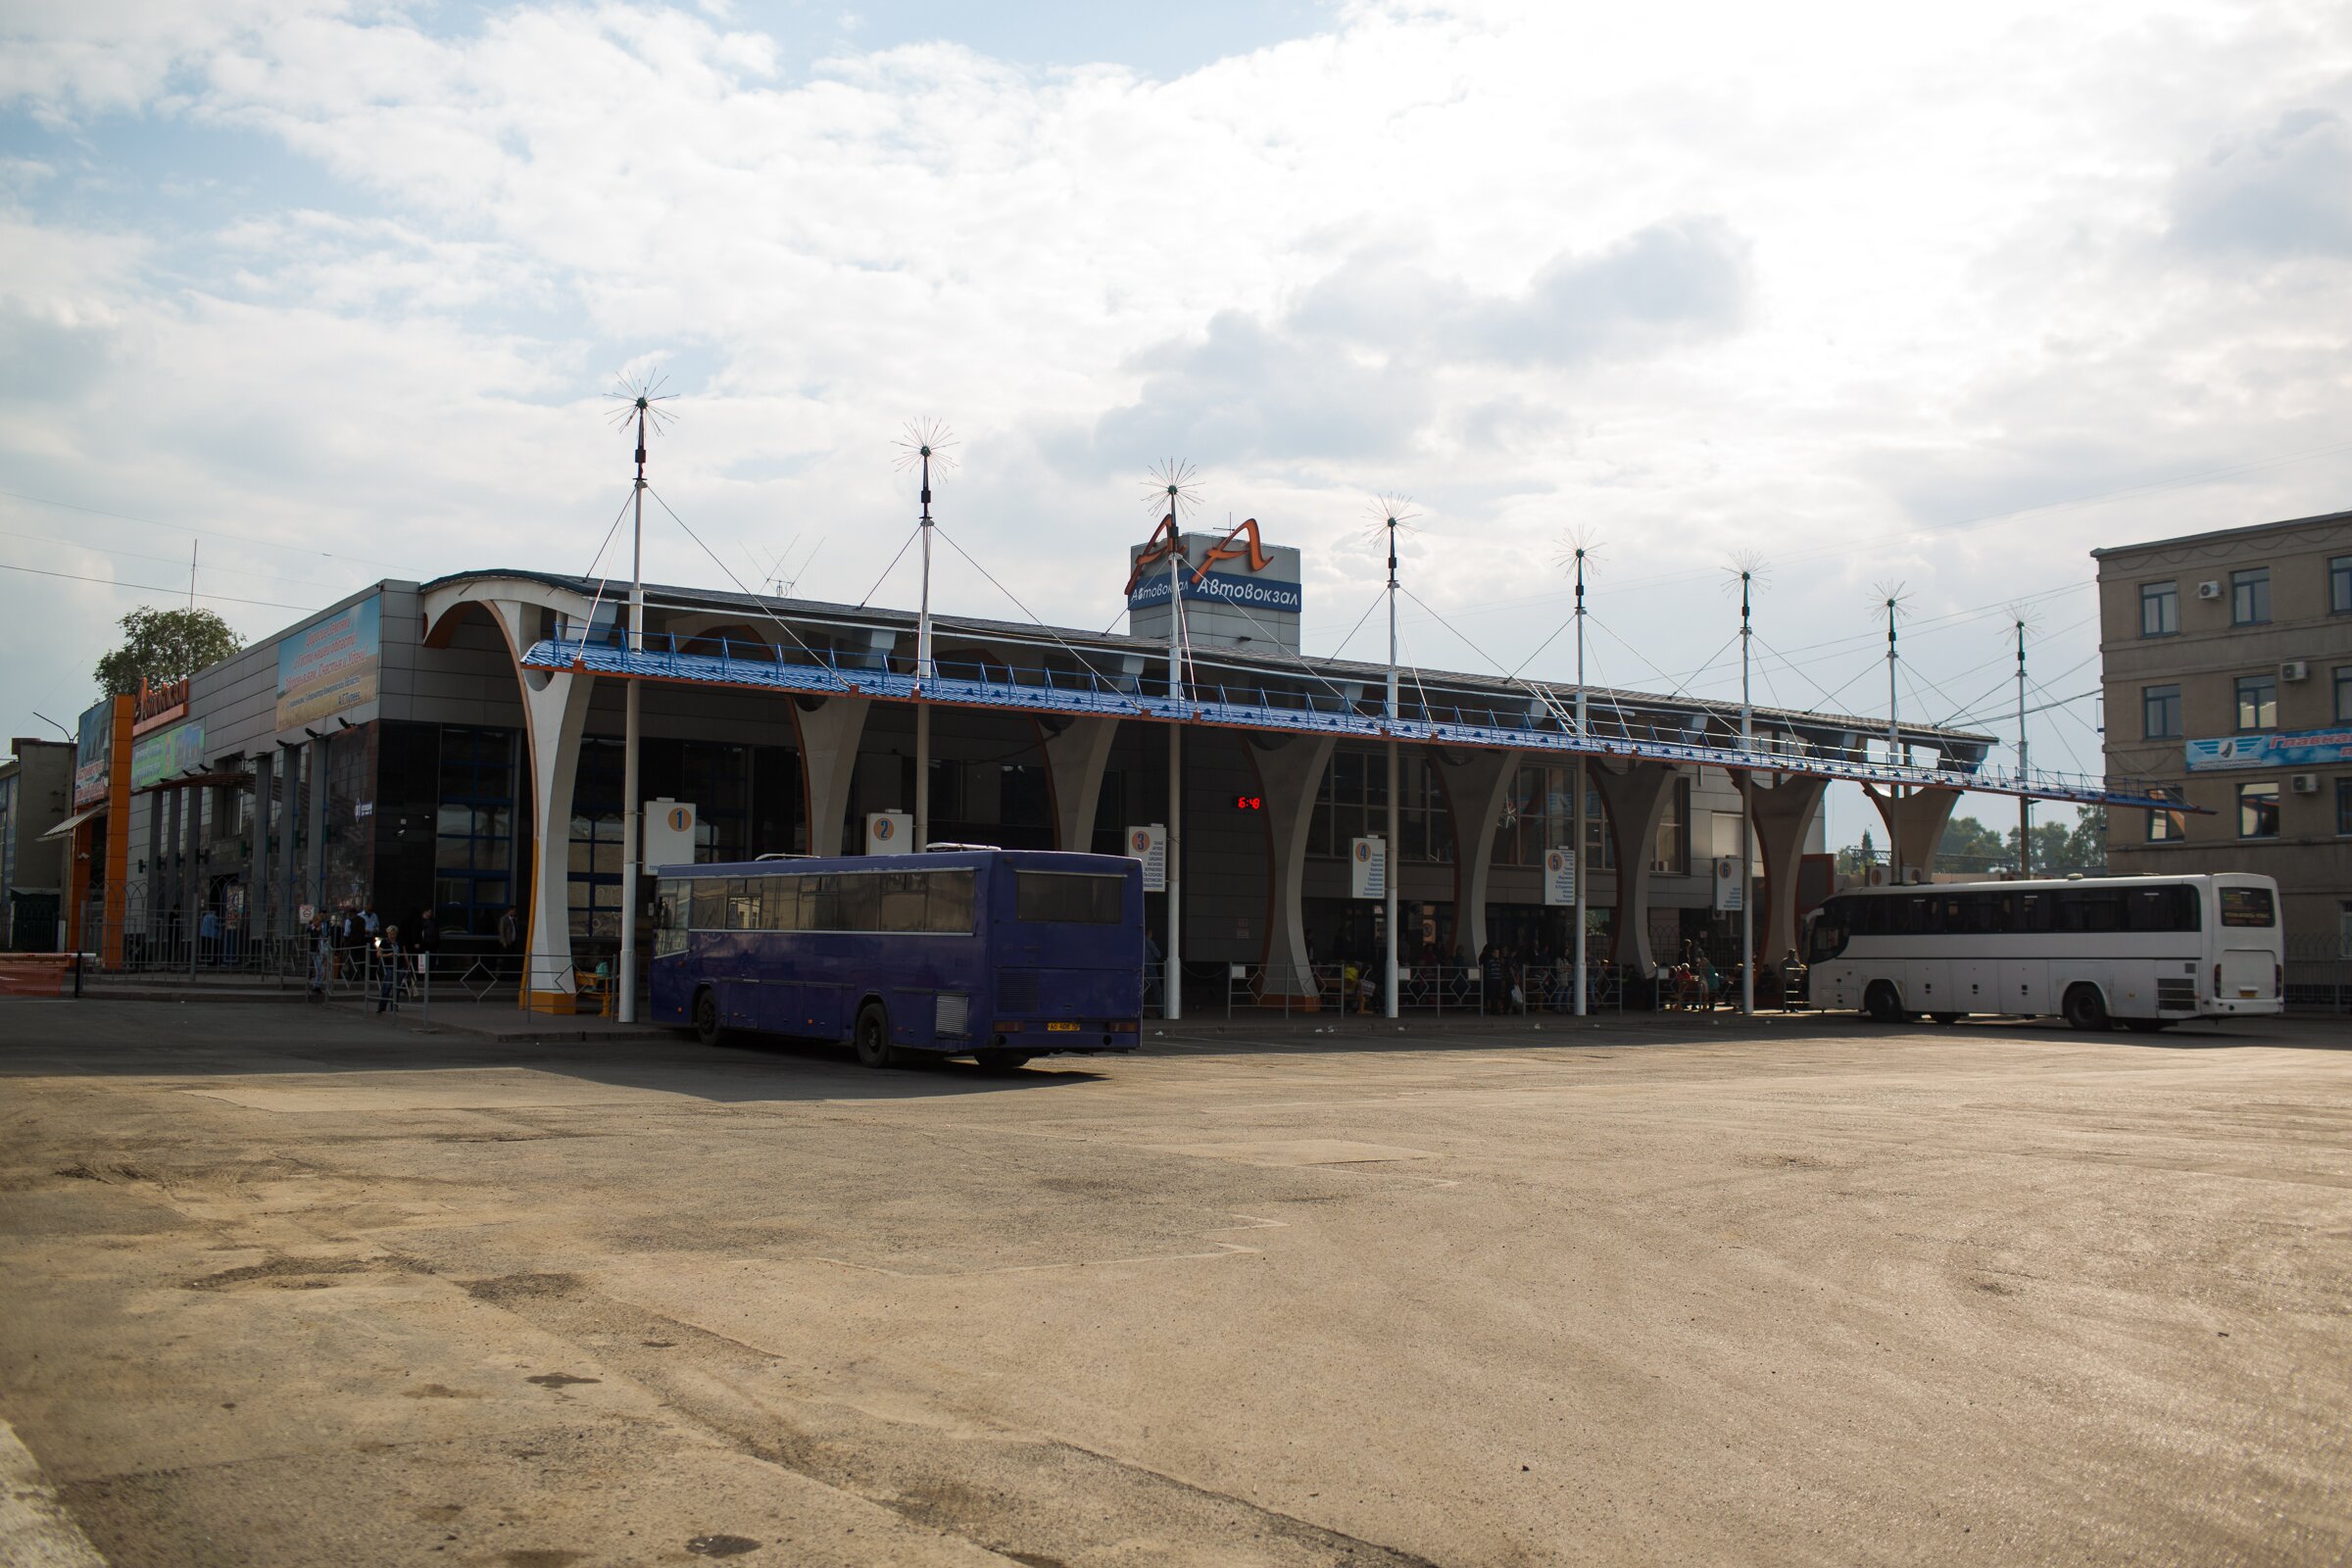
(1061, 1028)
(2245, 990)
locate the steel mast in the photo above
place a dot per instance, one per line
(631, 825)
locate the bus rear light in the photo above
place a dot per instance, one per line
(2277, 979)
(2217, 981)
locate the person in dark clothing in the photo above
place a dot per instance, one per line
(1493, 979)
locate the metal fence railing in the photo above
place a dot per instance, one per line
(2319, 974)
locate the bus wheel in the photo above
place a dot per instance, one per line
(2145, 1026)
(1881, 1002)
(873, 1037)
(1002, 1060)
(2086, 1009)
(706, 1019)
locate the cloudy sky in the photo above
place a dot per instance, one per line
(1872, 293)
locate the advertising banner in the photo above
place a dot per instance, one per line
(167, 754)
(2309, 748)
(1368, 869)
(94, 752)
(331, 668)
(1149, 844)
(1559, 877)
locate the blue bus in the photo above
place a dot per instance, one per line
(997, 954)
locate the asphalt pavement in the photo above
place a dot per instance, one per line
(288, 1285)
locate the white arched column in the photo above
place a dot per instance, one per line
(1475, 790)
(1075, 760)
(1637, 795)
(554, 708)
(1291, 774)
(1781, 817)
(1915, 823)
(829, 733)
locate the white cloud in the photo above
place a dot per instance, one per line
(1837, 282)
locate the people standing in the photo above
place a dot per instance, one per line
(1793, 981)
(388, 954)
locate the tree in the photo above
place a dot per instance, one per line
(162, 645)
(1967, 845)
(1854, 859)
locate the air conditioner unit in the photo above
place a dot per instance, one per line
(1874, 876)
(2295, 669)
(1911, 876)
(2209, 590)
(2305, 783)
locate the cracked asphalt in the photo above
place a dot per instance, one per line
(278, 1287)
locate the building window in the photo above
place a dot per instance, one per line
(2343, 694)
(2340, 585)
(1541, 815)
(2258, 810)
(2160, 712)
(2250, 596)
(2343, 806)
(1672, 852)
(2166, 827)
(2159, 608)
(1355, 804)
(594, 871)
(2257, 702)
(474, 831)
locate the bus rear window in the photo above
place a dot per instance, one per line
(1068, 898)
(2248, 906)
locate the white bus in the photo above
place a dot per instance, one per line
(2149, 951)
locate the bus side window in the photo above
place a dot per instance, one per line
(950, 906)
(669, 919)
(2172, 908)
(824, 911)
(743, 903)
(709, 910)
(903, 896)
(2033, 913)
(780, 909)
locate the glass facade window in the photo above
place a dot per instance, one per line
(2160, 712)
(2166, 827)
(2257, 702)
(2250, 596)
(1540, 814)
(2343, 694)
(1671, 851)
(2340, 585)
(2159, 608)
(2343, 806)
(2258, 810)
(474, 831)
(1355, 804)
(594, 868)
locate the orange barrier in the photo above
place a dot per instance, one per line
(35, 974)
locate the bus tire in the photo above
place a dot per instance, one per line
(705, 1018)
(1002, 1060)
(2085, 1008)
(875, 1049)
(1883, 1003)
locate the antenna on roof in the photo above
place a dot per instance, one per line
(1392, 512)
(1577, 552)
(924, 443)
(1173, 484)
(640, 399)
